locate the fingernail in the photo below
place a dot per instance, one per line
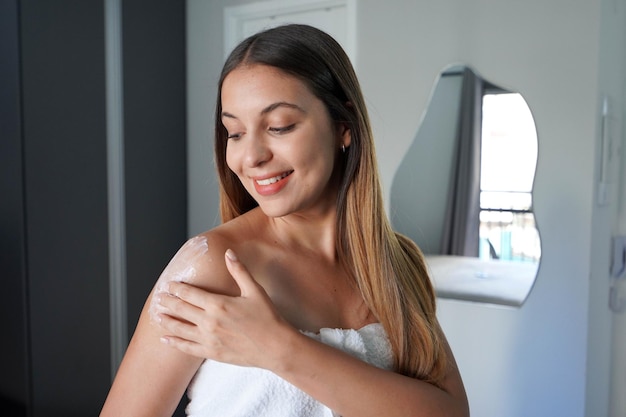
(231, 255)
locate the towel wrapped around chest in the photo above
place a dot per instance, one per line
(224, 390)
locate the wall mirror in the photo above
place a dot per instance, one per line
(463, 191)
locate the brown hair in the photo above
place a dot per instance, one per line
(388, 268)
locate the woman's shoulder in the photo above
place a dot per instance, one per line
(200, 260)
(246, 229)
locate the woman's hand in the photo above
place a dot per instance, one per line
(241, 330)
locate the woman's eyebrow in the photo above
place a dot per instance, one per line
(228, 115)
(268, 109)
(278, 104)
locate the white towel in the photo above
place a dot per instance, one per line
(223, 390)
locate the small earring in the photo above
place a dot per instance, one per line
(343, 148)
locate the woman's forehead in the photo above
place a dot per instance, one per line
(258, 86)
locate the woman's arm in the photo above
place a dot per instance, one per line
(353, 388)
(152, 377)
(247, 330)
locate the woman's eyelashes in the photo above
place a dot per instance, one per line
(281, 129)
(275, 130)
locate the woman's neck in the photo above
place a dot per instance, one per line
(308, 232)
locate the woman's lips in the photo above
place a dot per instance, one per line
(271, 185)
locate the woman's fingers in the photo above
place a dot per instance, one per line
(187, 327)
(189, 305)
(176, 326)
(191, 295)
(185, 346)
(240, 274)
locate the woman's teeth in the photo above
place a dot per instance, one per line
(268, 181)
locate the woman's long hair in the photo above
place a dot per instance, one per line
(388, 268)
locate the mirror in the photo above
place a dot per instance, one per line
(463, 191)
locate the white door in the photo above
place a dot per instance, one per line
(335, 17)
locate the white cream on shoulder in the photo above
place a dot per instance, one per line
(180, 269)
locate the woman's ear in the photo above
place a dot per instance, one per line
(345, 135)
(347, 132)
(344, 131)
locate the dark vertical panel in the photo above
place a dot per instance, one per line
(54, 242)
(66, 204)
(155, 136)
(14, 392)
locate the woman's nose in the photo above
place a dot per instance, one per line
(257, 152)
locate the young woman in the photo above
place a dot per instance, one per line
(304, 302)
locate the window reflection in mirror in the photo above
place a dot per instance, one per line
(507, 170)
(463, 191)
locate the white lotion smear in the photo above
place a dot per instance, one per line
(179, 269)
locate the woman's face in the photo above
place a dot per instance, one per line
(282, 143)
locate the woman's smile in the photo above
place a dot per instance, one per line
(267, 186)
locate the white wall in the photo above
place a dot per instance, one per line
(527, 362)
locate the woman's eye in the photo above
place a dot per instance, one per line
(233, 136)
(282, 129)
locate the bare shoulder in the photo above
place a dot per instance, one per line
(200, 260)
